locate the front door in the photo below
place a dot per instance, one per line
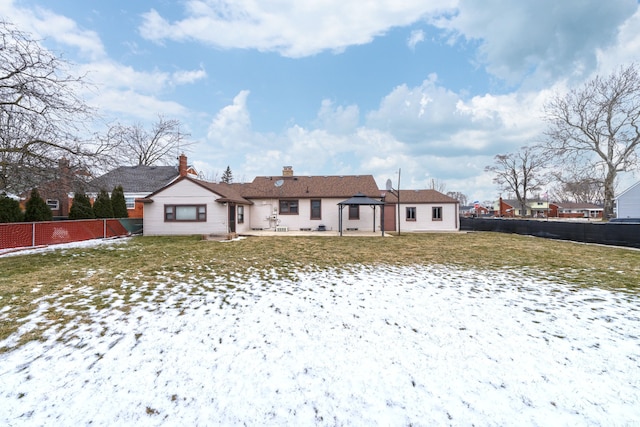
(389, 217)
(232, 218)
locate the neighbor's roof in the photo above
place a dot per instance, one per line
(310, 186)
(135, 179)
(419, 196)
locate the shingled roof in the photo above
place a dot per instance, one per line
(419, 196)
(227, 192)
(135, 179)
(310, 187)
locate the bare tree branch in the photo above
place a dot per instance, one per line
(521, 173)
(596, 127)
(133, 144)
(41, 114)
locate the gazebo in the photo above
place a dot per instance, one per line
(361, 199)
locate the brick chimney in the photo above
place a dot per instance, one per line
(287, 171)
(182, 165)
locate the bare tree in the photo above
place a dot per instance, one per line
(460, 197)
(521, 172)
(41, 114)
(576, 189)
(438, 185)
(597, 127)
(134, 144)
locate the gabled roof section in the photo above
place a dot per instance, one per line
(135, 179)
(419, 196)
(277, 187)
(629, 190)
(227, 192)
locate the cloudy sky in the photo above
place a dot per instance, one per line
(434, 88)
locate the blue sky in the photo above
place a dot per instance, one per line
(434, 88)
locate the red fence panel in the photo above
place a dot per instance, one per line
(18, 235)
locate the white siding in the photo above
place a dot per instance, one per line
(628, 203)
(185, 193)
(263, 209)
(424, 220)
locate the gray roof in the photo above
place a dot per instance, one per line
(135, 179)
(361, 199)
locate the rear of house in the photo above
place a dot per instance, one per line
(421, 210)
(189, 206)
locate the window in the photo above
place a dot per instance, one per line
(411, 214)
(288, 207)
(436, 213)
(130, 202)
(354, 212)
(53, 204)
(185, 212)
(240, 214)
(316, 209)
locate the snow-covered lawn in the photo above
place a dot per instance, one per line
(422, 345)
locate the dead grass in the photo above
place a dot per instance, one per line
(79, 280)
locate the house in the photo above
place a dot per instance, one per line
(421, 210)
(575, 210)
(58, 191)
(475, 210)
(628, 202)
(512, 208)
(308, 202)
(138, 181)
(288, 202)
(191, 206)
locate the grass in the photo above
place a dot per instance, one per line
(77, 281)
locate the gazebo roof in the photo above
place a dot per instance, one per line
(361, 199)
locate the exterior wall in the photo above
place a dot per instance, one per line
(628, 203)
(185, 193)
(424, 220)
(263, 210)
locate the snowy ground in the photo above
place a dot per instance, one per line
(387, 346)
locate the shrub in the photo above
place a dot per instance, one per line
(10, 209)
(36, 208)
(118, 203)
(102, 206)
(81, 207)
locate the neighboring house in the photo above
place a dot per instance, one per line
(58, 192)
(512, 208)
(628, 202)
(287, 202)
(137, 182)
(421, 210)
(474, 211)
(575, 210)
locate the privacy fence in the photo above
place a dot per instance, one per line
(29, 234)
(606, 233)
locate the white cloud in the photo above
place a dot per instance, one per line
(290, 27)
(44, 24)
(539, 40)
(338, 119)
(188, 76)
(416, 36)
(231, 127)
